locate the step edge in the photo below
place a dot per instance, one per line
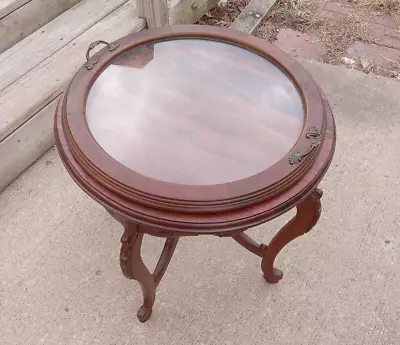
(25, 47)
(18, 161)
(9, 126)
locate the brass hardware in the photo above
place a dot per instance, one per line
(91, 63)
(315, 136)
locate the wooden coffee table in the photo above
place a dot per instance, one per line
(196, 130)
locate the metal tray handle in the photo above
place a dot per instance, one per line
(315, 136)
(90, 63)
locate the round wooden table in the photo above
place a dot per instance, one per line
(196, 130)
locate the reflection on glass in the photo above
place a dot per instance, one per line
(137, 58)
(194, 111)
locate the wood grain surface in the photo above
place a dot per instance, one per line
(183, 121)
(28, 18)
(195, 112)
(52, 37)
(47, 80)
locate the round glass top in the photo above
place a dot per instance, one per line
(194, 111)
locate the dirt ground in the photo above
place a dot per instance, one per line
(361, 34)
(224, 13)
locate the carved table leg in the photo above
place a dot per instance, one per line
(133, 267)
(248, 243)
(308, 213)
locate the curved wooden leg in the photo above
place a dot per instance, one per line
(248, 243)
(308, 213)
(133, 266)
(165, 258)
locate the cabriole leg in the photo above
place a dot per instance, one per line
(308, 213)
(133, 266)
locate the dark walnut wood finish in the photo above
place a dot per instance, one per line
(175, 133)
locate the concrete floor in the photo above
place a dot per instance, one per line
(61, 282)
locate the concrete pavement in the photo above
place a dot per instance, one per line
(60, 281)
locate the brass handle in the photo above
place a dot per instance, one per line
(91, 63)
(315, 136)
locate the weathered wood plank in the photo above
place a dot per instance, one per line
(140, 9)
(155, 12)
(33, 91)
(52, 37)
(188, 12)
(8, 6)
(250, 18)
(28, 18)
(26, 145)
